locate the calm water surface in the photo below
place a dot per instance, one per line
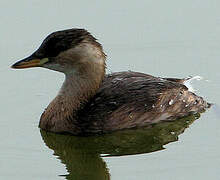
(163, 38)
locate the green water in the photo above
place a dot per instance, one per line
(83, 155)
(163, 38)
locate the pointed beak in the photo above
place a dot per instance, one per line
(29, 62)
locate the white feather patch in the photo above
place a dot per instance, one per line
(188, 83)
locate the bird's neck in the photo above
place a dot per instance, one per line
(75, 92)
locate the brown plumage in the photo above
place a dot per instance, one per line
(91, 102)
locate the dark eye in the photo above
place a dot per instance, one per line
(51, 47)
(60, 41)
(39, 54)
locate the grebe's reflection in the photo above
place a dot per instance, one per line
(83, 155)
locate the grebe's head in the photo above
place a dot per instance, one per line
(66, 51)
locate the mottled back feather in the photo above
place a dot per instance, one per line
(131, 99)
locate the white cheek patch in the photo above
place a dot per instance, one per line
(89, 52)
(81, 55)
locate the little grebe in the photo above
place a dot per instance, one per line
(91, 102)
